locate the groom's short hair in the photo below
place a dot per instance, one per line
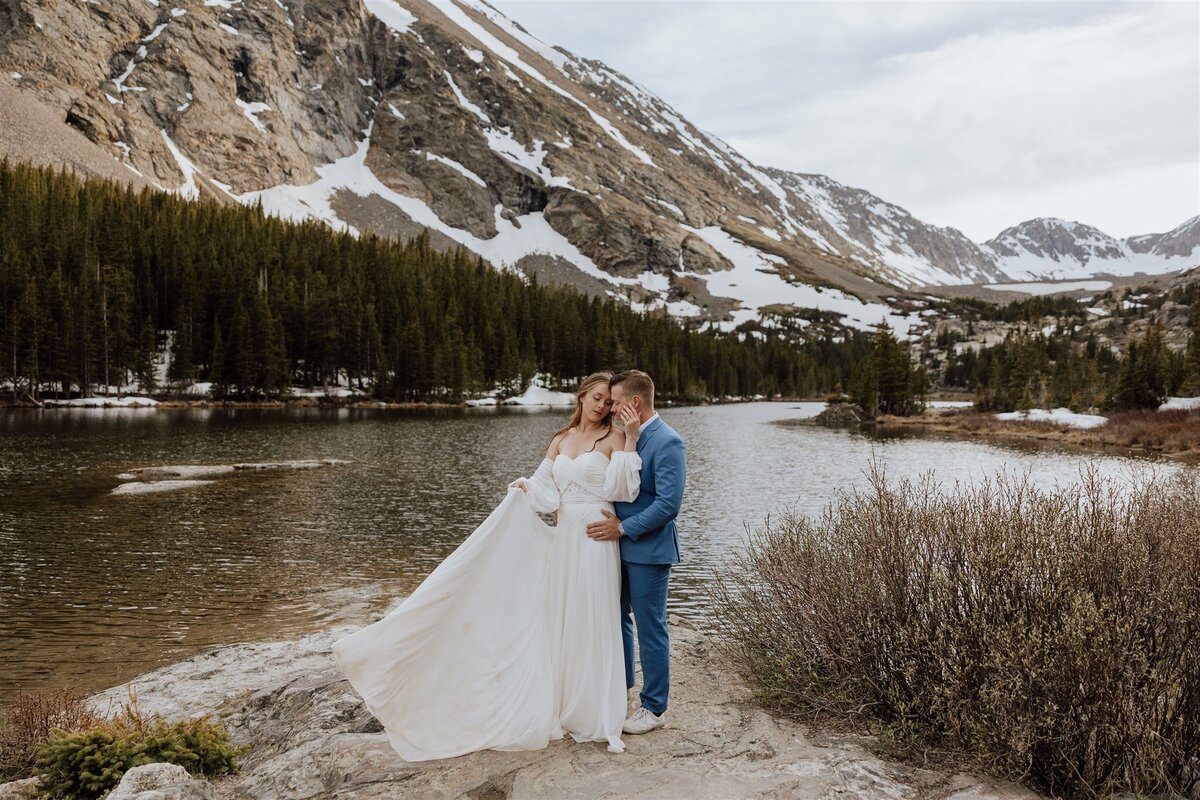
(634, 381)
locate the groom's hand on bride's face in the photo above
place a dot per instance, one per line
(604, 530)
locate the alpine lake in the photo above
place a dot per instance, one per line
(97, 587)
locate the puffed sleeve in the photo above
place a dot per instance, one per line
(541, 489)
(623, 478)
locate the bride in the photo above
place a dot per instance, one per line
(515, 638)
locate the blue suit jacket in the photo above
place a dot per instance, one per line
(651, 536)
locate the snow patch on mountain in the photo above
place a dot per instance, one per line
(529, 234)
(392, 14)
(457, 167)
(252, 110)
(464, 102)
(756, 282)
(460, 18)
(189, 189)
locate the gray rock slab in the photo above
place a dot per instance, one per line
(17, 790)
(161, 782)
(311, 737)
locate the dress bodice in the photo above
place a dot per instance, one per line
(590, 477)
(581, 479)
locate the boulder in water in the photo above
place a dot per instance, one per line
(841, 415)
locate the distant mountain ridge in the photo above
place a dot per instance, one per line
(1055, 248)
(397, 116)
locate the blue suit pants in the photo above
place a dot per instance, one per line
(644, 600)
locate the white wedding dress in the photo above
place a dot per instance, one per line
(515, 638)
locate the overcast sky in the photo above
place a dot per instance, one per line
(977, 115)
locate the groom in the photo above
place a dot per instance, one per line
(649, 546)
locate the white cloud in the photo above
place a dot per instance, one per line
(976, 115)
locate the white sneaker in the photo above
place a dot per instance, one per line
(644, 721)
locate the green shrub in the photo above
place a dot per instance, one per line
(1050, 635)
(88, 763)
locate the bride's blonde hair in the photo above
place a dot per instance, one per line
(585, 386)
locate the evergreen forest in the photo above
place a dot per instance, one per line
(93, 275)
(98, 281)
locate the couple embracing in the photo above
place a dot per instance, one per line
(526, 631)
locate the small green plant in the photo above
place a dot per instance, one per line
(87, 763)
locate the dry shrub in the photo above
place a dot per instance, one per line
(975, 421)
(1175, 430)
(28, 721)
(1052, 636)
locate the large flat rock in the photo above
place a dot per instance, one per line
(311, 737)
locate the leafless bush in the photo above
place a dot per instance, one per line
(1051, 635)
(28, 721)
(1172, 431)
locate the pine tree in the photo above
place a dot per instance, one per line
(182, 368)
(892, 366)
(864, 390)
(1191, 359)
(143, 362)
(240, 352)
(216, 365)
(1142, 377)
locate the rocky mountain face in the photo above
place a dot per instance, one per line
(397, 116)
(904, 250)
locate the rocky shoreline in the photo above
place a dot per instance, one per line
(1107, 439)
(309, 736)
(1118, 437)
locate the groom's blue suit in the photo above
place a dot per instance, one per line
(648, 549)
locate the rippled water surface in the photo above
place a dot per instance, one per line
(96, 587)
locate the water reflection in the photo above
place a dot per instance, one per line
(95, 588)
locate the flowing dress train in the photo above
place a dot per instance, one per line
(515, 638)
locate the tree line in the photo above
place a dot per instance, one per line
(93, 273)
(1033, 368)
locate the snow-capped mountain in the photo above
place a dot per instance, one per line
(397, 116)
(1055, 248)
(902, 249)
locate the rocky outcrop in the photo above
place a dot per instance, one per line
(161, 782)
(18, 790)
(841, 415)
(310, 737)
(908, 251)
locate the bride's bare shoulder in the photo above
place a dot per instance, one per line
(552, 450)
(615, 441)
